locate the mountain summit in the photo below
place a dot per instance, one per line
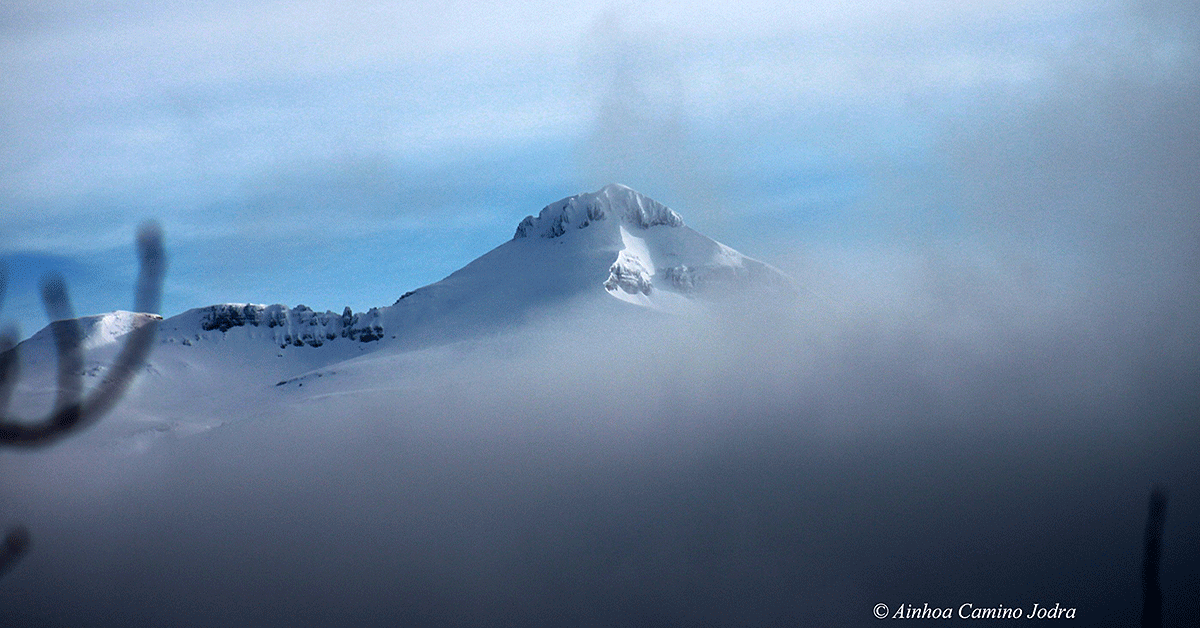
(613, 202)
(615, 242)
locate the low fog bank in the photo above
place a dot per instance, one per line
(896, 444)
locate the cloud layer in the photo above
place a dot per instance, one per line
(769, 467)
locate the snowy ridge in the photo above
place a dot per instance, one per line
(612, 201)
(96, 331)
(107, 329)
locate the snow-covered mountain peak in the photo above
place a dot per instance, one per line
(613, 204)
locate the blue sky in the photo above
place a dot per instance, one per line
(339, 154)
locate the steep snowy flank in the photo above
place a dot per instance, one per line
(634, 267)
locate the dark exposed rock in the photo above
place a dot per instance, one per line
(301, 325)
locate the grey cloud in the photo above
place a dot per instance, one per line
(1099, 168)
(777, 467)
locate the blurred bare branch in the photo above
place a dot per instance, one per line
(16, 542)
(72, 410)
(1151, 587)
